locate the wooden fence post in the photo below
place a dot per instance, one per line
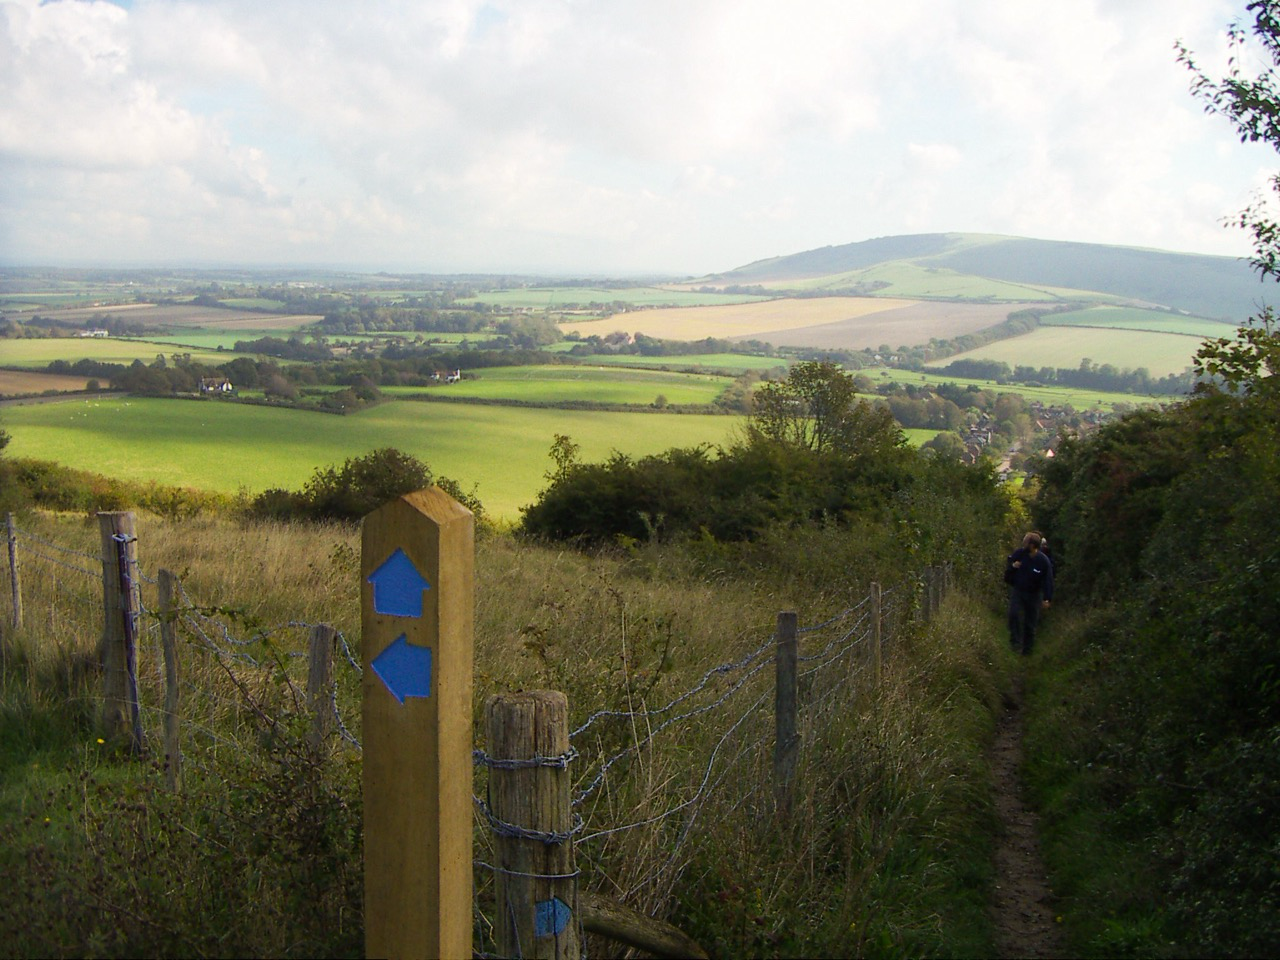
(536, 880)
(417, 614)
(877, 631)
(121, 604)
(786, 742)
(168, 642)
(320, 683)
(15, 580)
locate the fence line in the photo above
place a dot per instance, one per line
(231, 668)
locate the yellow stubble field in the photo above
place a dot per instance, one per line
(736, 320)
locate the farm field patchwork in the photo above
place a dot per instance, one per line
(37, 354)
(900, 326)
(228, 447)
(731, 362)
(913, 280)
(553, 298)
(1160, 353)
(188, 315)
(1053, 396)
(738, 321)
(552, 383)
(1136, 318)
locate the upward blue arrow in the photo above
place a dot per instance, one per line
(398, 586)
(405, 668)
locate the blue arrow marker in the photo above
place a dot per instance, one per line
(550, 917)
(405, 668)
(398, 586)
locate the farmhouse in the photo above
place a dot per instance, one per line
(215, 385)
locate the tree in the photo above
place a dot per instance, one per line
(817, 408)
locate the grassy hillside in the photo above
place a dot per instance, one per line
(1215, 287)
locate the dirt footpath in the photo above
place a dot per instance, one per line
(1023, 906)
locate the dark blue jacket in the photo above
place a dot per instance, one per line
(1035, 574)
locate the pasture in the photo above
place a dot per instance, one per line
(228, 447)
(37, 354)
(1136, 318)
(561, 298)
(578, 382)
(187, 315)
(730, 362)
(913, 280)
(1066, 346)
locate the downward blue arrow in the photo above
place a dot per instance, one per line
(405, 668)
(398, 586)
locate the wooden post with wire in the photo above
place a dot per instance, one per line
(417, 612)
(536, 880)
(786, 745)
(877, 631)
(15, 571)
(320, 683)
(122, 606)
(168, 587)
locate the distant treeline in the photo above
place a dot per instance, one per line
(1087, 376)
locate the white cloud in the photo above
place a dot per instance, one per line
(629, 134)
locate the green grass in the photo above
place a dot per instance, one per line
(215, 339)
(560, 297)
(552, 384)
(39, 353)
(1063, 346)
(1135, 318)
(224, 446)
(733, 362)
(911, 280)
(1054, 396)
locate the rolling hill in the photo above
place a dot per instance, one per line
(989, 267)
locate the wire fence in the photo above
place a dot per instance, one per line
(648, 781)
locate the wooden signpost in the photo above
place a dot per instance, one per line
(417, 609)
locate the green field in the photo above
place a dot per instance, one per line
(37, 354)
(910, 280)
(550, 384)
(731, 362)
(1053, 396)
(227, 446)
(539, 298)
(1160, 353)
(1135, 318)
(254, 303)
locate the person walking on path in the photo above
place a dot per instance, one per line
(1029, 573)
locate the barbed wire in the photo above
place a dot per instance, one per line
(36, 538)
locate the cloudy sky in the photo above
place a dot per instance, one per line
(602, 136)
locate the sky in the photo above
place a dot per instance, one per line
(603, 137)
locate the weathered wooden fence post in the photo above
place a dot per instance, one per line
(877, 631)
(786, 742)
(122, 605)
(168, 584)
(320, 683)
(417, 611)
(529, 783)
(15, 570)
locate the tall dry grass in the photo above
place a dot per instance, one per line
(678, 820)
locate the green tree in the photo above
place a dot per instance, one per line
(817, 408)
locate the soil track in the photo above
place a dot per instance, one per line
(1023, 906)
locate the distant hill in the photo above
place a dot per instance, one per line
(1220, 288)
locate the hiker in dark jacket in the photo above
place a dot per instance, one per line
(1029, 573)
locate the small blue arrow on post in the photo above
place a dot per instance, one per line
(398, 586)
(405, 669)
(550, 917)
